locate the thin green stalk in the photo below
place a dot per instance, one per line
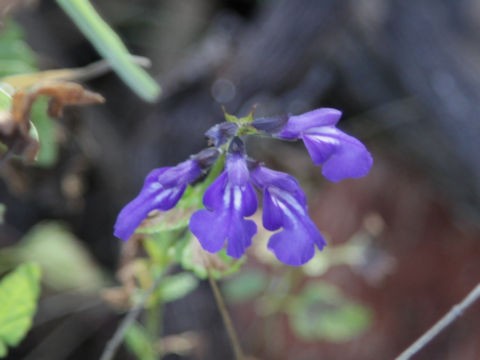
(113, 344)
(111, 47)
(445, 321)
(153, 320)
(232, 334)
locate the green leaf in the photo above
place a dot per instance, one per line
(46, 129)
(321, 311)
(139, 343)
(15, 55)
(229, 117)
(243, 120)
(245, 286)
(65, 262)
(19, 292)
(5, 100)
(175, 287)
(111, 47)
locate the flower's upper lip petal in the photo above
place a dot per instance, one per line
(263, 177)
(183, 173)
(153, 196)
(271, 125)
(296, 125)
(237, 169)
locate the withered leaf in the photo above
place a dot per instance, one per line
(15, 124)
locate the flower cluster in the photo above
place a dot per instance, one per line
(231, 197)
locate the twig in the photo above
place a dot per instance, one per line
(116, 340)
(445, 321)
(232, 334)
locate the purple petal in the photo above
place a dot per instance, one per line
(342, 155)
(319, 150)
(295, 244)
(264, 177)
(249, 200)
(240, 236)
(219, 134)
(210, 229)
(271, 125)
(213, 197)
(272, 214)
(316, 118)
(153, 196)
(183, 173)
(213, 228)
(237, 169)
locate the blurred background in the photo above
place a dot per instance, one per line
(404, 241)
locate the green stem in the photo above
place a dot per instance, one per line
(116, 340)
(232, 334)
(111, 47)
(217, 168)
(153, 315)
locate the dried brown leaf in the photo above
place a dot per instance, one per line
(15, 124)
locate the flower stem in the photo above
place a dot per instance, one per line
(449, 318)
(116, 340)
(232, 334)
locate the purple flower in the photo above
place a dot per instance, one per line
(285, 206)
(229, 199)
(341, 155)
(162, 190)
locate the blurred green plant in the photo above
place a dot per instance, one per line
(245, 286)
(2, 213)
(321, 311)
(175, 287)
(54, 248)
(16, 57)
(110, 47)
(19, 292)
(139, 342)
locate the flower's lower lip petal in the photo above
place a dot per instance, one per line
(213, 197)
(292, 246)
(249, 200)
(313, 232)
(210, 229)
(319, 150)
(168, 198)
(352, 160)
(272, 214)
(240, 236)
